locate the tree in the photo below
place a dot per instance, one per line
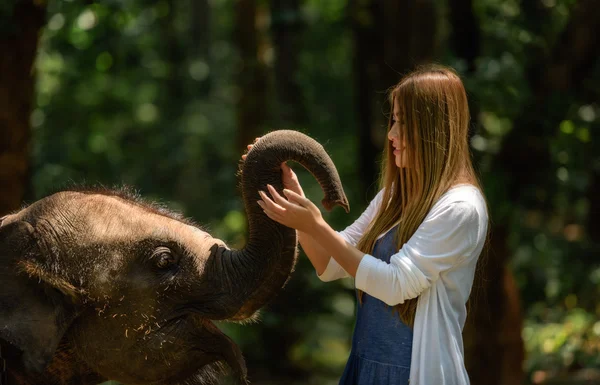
(594, 216)
(390, 39)
(498, 348)
(289, 112)
(20, 23)
(200, 13)
(251, 76)
(466, 32)
(495, 284)
(286, 30)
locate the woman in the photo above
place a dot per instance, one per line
(414, 250)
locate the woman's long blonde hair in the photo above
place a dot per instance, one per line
(433, 107)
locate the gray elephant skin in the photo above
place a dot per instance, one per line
(98, 284)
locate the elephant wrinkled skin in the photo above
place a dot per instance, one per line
(97, 284)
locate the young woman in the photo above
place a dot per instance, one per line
(414, 250)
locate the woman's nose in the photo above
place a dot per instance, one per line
(392, 134)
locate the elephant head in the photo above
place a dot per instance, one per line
(98, 284)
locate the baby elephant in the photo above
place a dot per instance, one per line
(98, 284)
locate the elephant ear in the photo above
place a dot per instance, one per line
(35, 308)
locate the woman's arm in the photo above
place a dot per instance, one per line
(336, 247)
(305, 217)
(445, 239)
(327, 268)
(439, 244)
(318, 256)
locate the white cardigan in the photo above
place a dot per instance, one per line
(437, 264)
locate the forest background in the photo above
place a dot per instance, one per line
(165, 95)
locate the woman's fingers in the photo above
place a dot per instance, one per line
(270, 208)
(268, 203)
(246, 154)
(267, 200)
(278, 198)
(294, 197)
(249, 147)
(274, 216)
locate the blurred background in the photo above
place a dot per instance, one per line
(164, 96)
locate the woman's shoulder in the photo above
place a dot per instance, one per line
(462, 193)
(462, 200)
(377, 199)
(458, 201)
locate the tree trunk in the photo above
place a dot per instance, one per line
(18, 44)
(497, 348)
(289, 111)
(200, 44)
(551, 78)
(593, 224)
(287, 27)
(465, 41)
(251, 101)
(493, 345)
(466, 33)
(252, 78)
(366, 47)
(494, 351)
(390, 39)
(175, 58)
(174, 95)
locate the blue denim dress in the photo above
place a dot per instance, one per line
(382, 343)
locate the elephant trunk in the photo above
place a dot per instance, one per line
(250, 277)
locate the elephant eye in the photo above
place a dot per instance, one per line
(164, 258)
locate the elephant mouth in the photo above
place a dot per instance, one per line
(210, 374)
(210, 354)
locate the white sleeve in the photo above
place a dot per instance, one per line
(447, 234)
(352, 235)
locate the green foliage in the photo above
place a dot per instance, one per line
(115, 105)
(563, 341)
(122, 98)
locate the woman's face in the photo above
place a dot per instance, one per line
(398, 140)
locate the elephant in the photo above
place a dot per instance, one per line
(99, 284)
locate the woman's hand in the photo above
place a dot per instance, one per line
(289, 177)
(295, 212)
